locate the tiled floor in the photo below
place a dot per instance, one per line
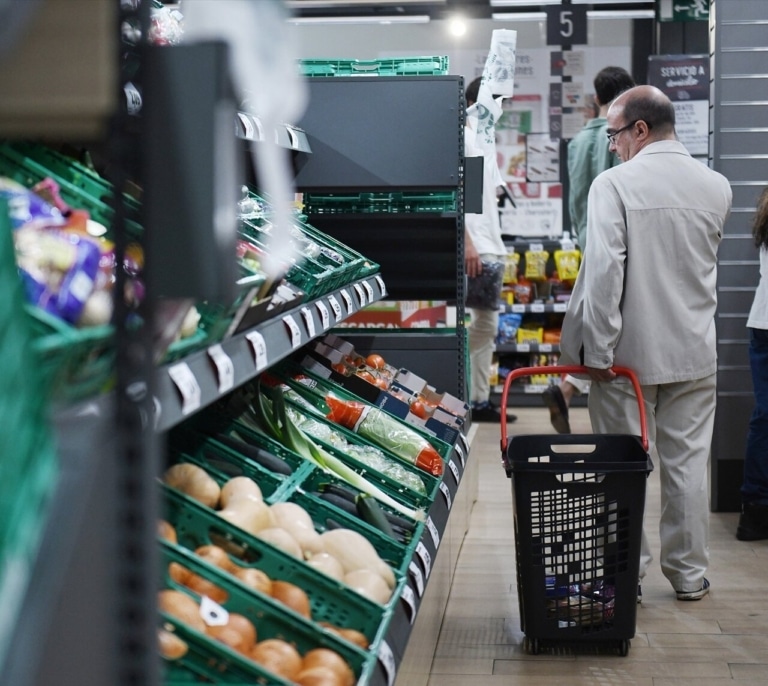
(718, 640)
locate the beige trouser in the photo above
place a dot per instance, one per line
(680, 419)
(483, 328)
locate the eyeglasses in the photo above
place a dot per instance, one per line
(612, 134)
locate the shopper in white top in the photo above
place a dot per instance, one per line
(482, 243)
(645, 298)
(753, 522)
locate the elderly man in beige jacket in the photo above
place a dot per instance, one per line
(645, 298)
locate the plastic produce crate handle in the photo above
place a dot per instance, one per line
(570, 369)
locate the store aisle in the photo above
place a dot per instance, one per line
(715, 641)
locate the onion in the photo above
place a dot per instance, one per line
(171, 646)
(318, 676)
(181, 606)
(329, 659)
(205, 587)
(277, 656)
(255, 579)
(239, 633)
(216, 556)
(294, 597)
(195, 482)
(166, 531)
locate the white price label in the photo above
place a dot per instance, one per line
(382, 287)
(225, 369)
(409, 599)
(460, 452)
(447, 494)
(425, 557)
(259, 128)
(417, 577)
(368, 290)
(452, 466)
(294, 330)
(335, 306)
(212, 613)
(560, 307)
(433, 532)
(387, 659)
(250, 130)
(538, 308)
(259, 346)
(360, 294)
(519, 309)
(309, 320)
(185, 381)
(347, 300)
(325, 316)
(536, 247)
(465, 443)
(545, 347)
(523, 347)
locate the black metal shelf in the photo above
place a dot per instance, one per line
(185, 387)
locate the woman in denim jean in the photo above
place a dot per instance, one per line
(753, 523)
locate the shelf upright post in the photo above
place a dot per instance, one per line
(136, 498)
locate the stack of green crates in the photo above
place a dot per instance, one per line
(405, 66)
(28, 466)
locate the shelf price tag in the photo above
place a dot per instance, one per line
(538, 308)
(425, 557)
(387, 659)
(212, 613)
(519, 309)
(545, 347)
(433, 532)
(360, 294)
(347, 300)
(259, 346)
(335, 306)
(309, 320)
(294, 330)
(536, 247)
(245, 120)
(560, 307)
(455, 470)
(447, 494)
(224, 367)
(464, 442)
(523, 347)
(185, 381)
(382, 287)
(418, 579)
(368, 290)
(460, 452)
(409, 599)
(325, 316)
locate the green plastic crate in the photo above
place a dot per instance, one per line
(379, 203)
(272, 620)
(330, 600)
(75, 363)
(28, 464)
(406, 66)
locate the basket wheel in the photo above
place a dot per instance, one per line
(623, 648)
(531, 645)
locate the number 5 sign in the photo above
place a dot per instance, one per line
(566, 25)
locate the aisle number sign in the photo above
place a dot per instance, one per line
(566, 25)
(683, 10)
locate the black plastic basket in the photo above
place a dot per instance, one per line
(578, 504)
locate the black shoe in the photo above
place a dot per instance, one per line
(558, 409)
(694, 595)
(487, 413)
(753, 522)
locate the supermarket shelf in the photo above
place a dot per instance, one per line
(527, 395)
(528, 348)
(533, 308)
(184, 387)
(250, 128)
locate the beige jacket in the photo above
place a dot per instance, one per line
(645, 297)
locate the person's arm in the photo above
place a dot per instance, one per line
(472, 264)
(606, 258)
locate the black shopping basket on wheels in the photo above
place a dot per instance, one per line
(578, 503)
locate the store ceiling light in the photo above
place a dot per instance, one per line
(392, 19)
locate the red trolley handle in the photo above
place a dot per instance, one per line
(570, 369)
